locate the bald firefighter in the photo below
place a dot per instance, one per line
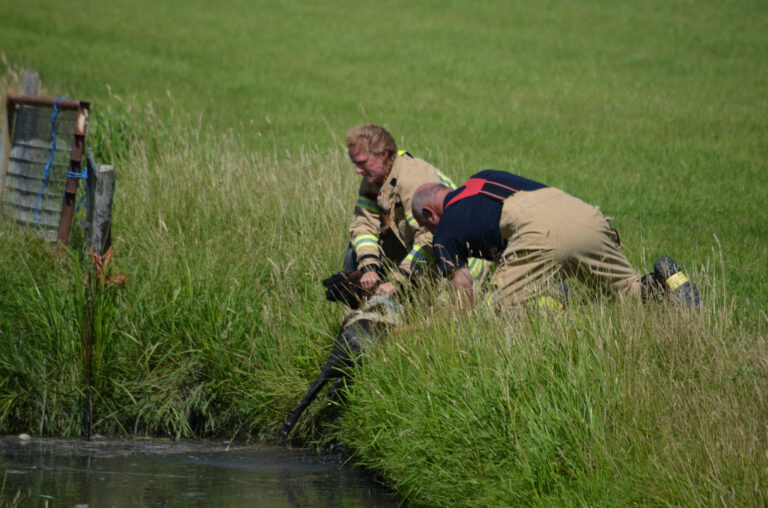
(536, 233)
(383, 228)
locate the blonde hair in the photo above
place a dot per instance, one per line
(372, 139)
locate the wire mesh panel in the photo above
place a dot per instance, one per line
(46, 138)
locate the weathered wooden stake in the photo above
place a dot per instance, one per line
(30, 82)
(102, 214)
(100, 236)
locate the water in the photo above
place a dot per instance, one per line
(106, 473)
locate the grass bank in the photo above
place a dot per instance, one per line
(605, 404)
(223, 324)
(234, 193)
(223, 263)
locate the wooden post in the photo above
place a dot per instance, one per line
(102, 213)
(100, 237)
(30, 82)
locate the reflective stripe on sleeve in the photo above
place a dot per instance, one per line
(445, 180)
(418, 254)
(363, 241)
(476, 268)
(411, 220)
(367, 204)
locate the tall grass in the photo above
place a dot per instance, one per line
(602, 404)
(222, 317)
(233, 195)
(223, 323)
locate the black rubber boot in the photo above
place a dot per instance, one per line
(668, 273)
(653, 289)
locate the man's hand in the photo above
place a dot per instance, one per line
(386, 290)
(345, 287)
(462, 282)
(369, 280)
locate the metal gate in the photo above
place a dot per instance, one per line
(45, 149)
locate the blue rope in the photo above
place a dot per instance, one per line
(74, 174)
(84, 181)
(47, 170)
(83, 176)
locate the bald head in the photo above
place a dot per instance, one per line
(427, 205)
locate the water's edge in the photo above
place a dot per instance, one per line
(141, 472)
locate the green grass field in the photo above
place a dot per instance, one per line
(226, 124)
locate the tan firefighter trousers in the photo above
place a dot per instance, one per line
(548, 232)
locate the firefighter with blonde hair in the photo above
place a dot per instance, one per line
(383, 230)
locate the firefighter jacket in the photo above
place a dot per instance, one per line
(379, 209)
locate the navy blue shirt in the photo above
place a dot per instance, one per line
(469, 227)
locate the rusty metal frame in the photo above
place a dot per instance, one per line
(83, 109)
(6, 143)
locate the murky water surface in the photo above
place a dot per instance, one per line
(105, 473)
